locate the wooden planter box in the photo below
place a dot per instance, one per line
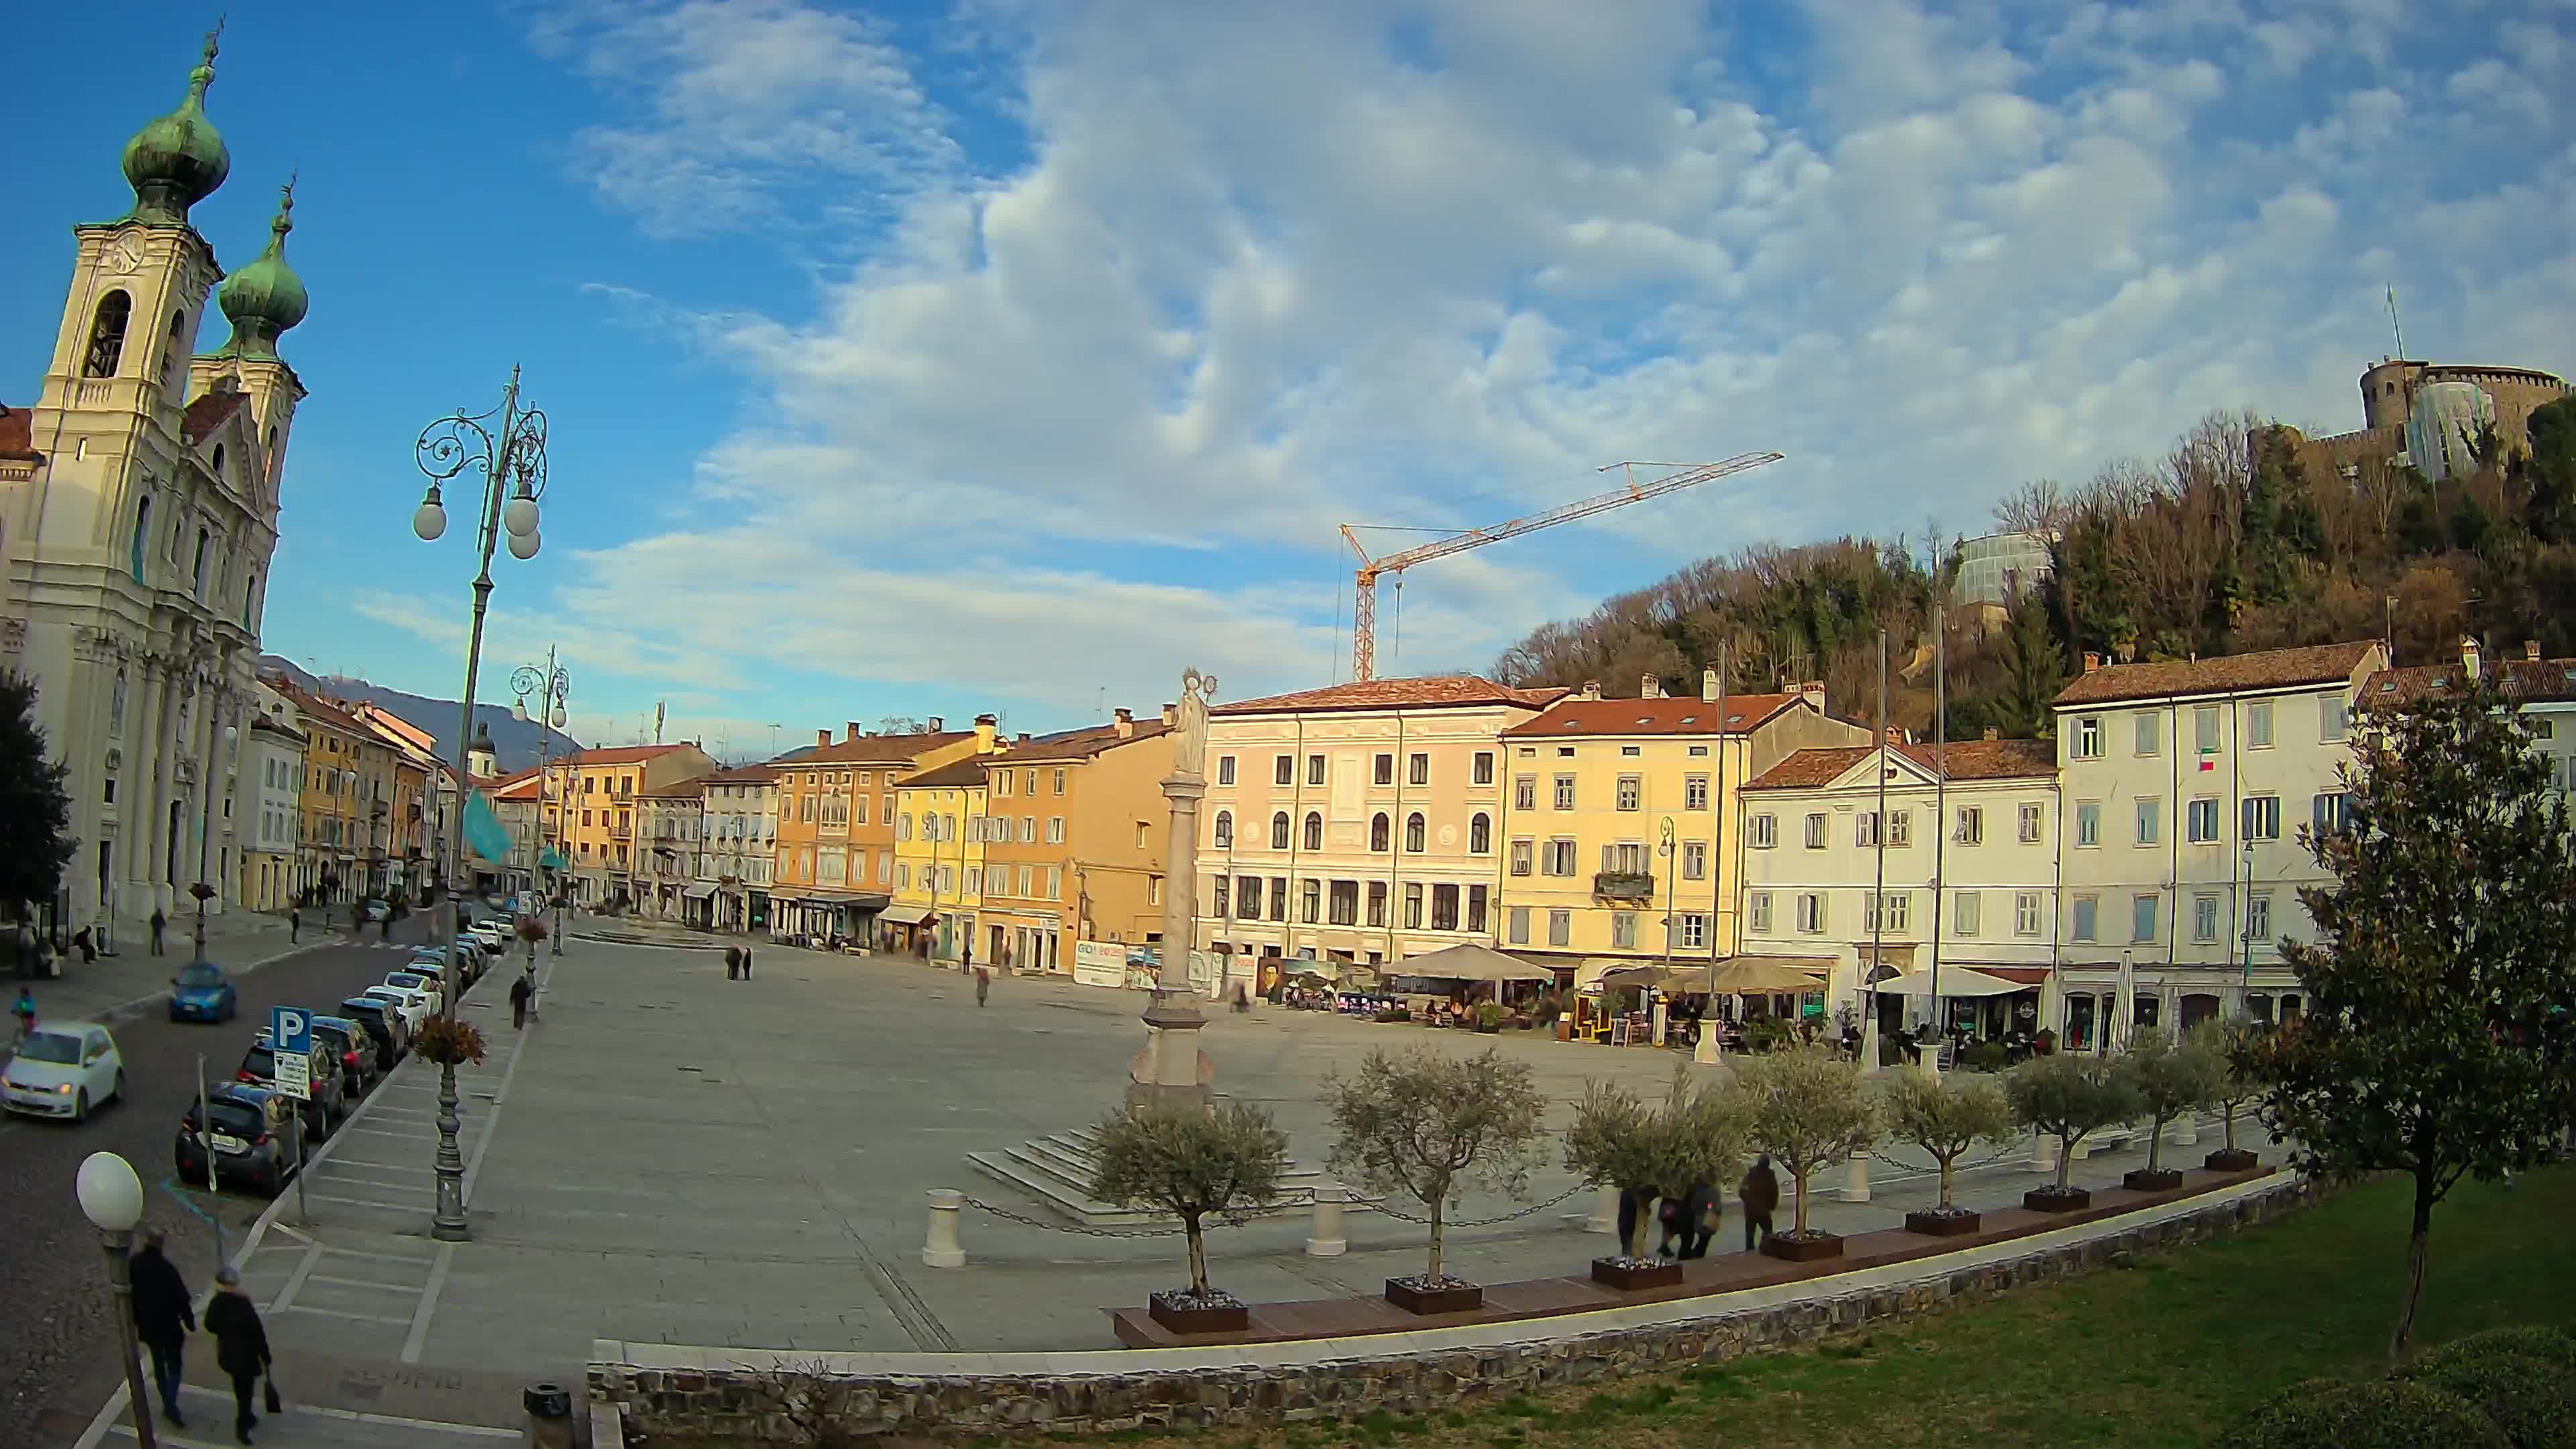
(1803, 1250)
(2051, 1200)
(2231, 1159)
(1456, 1298)
(2163, 1179)
(1181, 1316)
(1628, 1274)
(1942, 1225)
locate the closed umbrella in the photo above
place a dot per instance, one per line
(2125, 1011)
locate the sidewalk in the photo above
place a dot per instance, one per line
(98, 990)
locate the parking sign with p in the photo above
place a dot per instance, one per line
(290, 1036)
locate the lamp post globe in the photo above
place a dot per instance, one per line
(111, 1196)
(519, 516)
(429, 520)
(524, 546)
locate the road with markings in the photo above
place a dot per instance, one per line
(59, 1358)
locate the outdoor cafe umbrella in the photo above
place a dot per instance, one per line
(1468, 961)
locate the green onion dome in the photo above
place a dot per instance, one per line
(265, 298)
(178, 160)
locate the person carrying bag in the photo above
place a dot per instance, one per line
(241, 1350)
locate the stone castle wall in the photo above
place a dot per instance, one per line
(747, 1405)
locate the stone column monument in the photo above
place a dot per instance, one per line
(1172, 1068)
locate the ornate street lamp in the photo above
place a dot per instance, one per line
(553, 687)
(111, 1197)
(508, 447)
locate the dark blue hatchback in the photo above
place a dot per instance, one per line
(200, 992)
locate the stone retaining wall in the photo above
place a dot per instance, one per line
(668, 1408)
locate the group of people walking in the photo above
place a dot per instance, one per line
(165, 1314)
(1690, 1217)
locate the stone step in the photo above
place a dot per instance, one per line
(1057, 1172)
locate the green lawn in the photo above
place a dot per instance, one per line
(2169, 1352)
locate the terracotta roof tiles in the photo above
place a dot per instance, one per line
(1968, 760)
(966, 773)
(2226, 674)
(1081, 744)
(1442, 691)
(874, 749)
(1665, 716)
(208, 412)
(622, 754)
(2531, 680)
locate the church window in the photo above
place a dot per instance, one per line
(250, 597)
(142, 531)
(204, 540)
(107, 335)
(219, 462)
(173, 370)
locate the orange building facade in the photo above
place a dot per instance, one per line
(832, 872)
(1075, 826)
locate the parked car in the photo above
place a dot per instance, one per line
(201, 992)
(470, 964)
(378, 909)
(383, 1021)
(414, 1005)
(326, 1103)
(244, 1128)
(63, 1069)
(354, 1047)
(427, 983)
(494, 935)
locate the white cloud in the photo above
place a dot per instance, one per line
(1269, 270)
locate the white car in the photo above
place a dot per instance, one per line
(422, 982)
(494, 936)
(63, 1069)
(414, 1005)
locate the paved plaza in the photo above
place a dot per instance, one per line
(669, 1156)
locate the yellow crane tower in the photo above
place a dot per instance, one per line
(1364, 609)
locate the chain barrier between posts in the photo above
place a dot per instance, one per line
(1024, 1220)
(1447, 1223)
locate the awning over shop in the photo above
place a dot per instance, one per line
(700, 892)
(1620, 978)
(1758, 975)
(1955, 981)
(907, 915)
(1468, 961)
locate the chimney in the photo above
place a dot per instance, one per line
(2469, 658)
(852, 729)
(1708, 686)
(822, 738)
(1651, 687)
(1591, 689)
(1171, 715)
(1813, 691)
(1993, 733)
(1023, 739)
(2092, 661)
(938, 726)
(1896, 734)
(2531, 651)
(988, 728)
(1124, 721)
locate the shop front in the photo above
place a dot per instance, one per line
(698, 904)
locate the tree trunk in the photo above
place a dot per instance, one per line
(1198, 1253)
(2065, 1157)
(2156, 1143)
(1800, 1179)
(2227, 1124)
(1948, 1164)
(1432, 1280)
(2419, 1244)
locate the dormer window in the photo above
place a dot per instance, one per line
(219, 462)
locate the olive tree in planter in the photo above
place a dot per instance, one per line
(2168, 1078)
(1617, 1140)
(1946, 1116)
(2069, 1098)
(2231, 1089)
(1428, 1125)
(1809, 1111)
(1194, 1164)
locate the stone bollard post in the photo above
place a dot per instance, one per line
(1856, 1181)
(940, 1249)
(2186, 1129)
(1324, 1237)
(2043, 1153)
(1605, 1211)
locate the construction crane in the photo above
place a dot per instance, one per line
(1364, 609)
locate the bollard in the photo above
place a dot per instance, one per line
(2186, 1131)
(1856, 1184)
(549, 1408)
(1324, 1239)
(2043, 1153)
(940, 1249)
(1605, 1211)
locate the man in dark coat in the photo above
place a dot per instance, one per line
(163, 1318)
(1689, 1221)
(160, 922)
(241, 1345)
(1761, 1193)
(520, 991)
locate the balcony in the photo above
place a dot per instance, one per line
(620, 832)
(1624, 885)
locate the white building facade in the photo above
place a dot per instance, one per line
(738, 830)
(1962, 876)
(273, 764)
(138, 513)
(668, 823)
(2184, 787)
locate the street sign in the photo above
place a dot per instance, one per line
(290, 1037)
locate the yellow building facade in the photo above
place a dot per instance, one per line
(343, 761)
(597, 790)
(1619, 821)
(939, 828)
(1073, 850)
(833, 864)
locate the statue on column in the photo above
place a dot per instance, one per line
(1190, 725)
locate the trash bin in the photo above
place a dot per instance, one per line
(549, 1409)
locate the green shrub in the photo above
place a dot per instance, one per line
(2390, 1414)
(2546, 1342)
(2528, 1398)
(1985, 1056)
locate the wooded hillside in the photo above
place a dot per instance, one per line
(2228, 542)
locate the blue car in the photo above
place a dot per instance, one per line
(200, 993)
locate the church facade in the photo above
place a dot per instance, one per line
(138, 515)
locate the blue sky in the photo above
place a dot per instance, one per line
(914, 360)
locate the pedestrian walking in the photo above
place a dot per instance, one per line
(163, 1318)
(1689, 1221)
(241, 1347)
(983, 984)
(520, 991)
(23, 1011)
(733, 963)
(1761, 1193)
(88, 949)
(294, 924)
(746, 963)
(160, 922)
